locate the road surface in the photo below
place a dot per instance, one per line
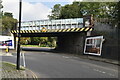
(46, 64)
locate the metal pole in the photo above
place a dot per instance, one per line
(18, 47)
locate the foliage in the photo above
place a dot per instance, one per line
(38, 40)
(1, 6)
(78, 9)
(7, 14)
(97, 9)
(25, 40)
(51, 41)
(118, 14)
(8, 22)
(43, 41)
(55, 12)
(71, 11)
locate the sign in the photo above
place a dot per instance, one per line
(93, 45)
(6, 41)
(43, 29)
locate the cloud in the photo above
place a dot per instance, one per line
(30, 11)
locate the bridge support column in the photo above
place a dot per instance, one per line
(72, 43)
(15, 46)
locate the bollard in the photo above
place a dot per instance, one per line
(7, 49)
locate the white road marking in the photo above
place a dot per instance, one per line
(111, 74)
(47, 53)
(65, 57)
(103, 72)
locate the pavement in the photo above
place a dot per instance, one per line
(9, 71)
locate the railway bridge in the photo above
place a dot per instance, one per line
(71, 33)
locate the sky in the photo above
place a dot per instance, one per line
(32, 9)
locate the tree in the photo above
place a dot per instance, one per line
(38, 40)
(51, 41)
(71, 11)
(25, 40)
(8, 23)
(118, 14)
(1, 6)
(7, 14)
(78, 9)
(55, 12)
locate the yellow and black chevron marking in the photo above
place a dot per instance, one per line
(55, 30)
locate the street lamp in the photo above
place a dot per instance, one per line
(18, 47)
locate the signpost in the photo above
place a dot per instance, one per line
(18, 47)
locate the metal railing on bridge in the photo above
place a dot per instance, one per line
(52, 24)
(59, 25)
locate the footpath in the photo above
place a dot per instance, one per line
(8, 70)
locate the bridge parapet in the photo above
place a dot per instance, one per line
(59, 25)
(52, 24)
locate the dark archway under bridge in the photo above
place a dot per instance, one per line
(70, 42)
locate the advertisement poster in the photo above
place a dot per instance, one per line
(6, 41)
(93, 45)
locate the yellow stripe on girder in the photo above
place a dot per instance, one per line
(59, 30)
(81, 29)
(36, 31)
(64, 30)
(20, 31)
(56, 30)
(23, 31)
(32, 31)
(12, 31)
(86, 29)
(73, 29)
(29, 31)
(17, 31)
(77, 29)
(91, 29)
(68, 30)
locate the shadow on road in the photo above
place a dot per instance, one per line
(41, 49)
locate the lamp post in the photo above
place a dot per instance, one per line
(18, 47)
